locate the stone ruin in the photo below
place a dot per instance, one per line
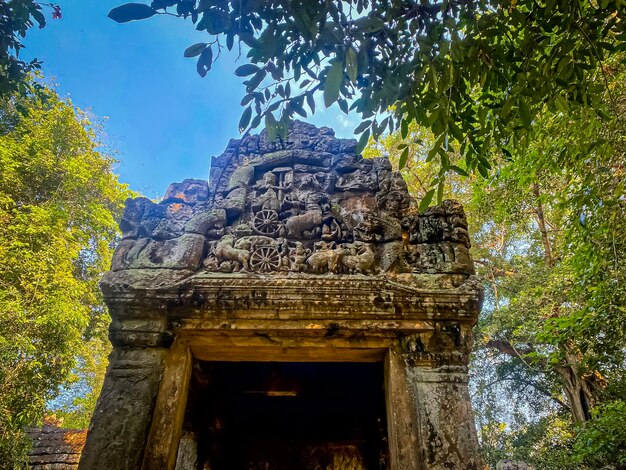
(295, 312)
(55, 448)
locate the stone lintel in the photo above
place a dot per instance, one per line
(356, 297)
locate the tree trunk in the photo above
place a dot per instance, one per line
(577, 389)
(541, 222)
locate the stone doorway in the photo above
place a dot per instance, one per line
(285, 415)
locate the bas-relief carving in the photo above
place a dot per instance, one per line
(307, 205)
(449, 343)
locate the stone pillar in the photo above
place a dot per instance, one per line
(445, 418)
(431, 424)
(119, 427)
(402, 424)
(167, 419)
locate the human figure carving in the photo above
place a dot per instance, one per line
(299, 255)
(269, 199)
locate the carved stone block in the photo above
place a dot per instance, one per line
(204, 222)
(184, 252)
(190, 191)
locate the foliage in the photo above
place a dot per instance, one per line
(76, 400)
(551, 259)
(16, 17)
(58, 203)
(411, 154)
(548, 241)
(475, 72)
(546, 442)
(604, 439)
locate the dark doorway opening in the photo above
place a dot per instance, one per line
(287, 416)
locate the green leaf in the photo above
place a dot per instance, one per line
(296, 105)
(404, 128)
(425, 202)
(304, 23)
(332, 83)
(246, 69)
(403, 158)
(204, 62)
(271, 126)
(363, 140)
(131, 12)
(255, 122)
(38, 16)
(506, 107)
(361, 127)
(283, 126)
(455, 131)
(343, 105)
(352, 64)
(215, 21)
(524, 113)
(458, 170)
(245, 119)
(435, 148)
(370, 24)
(249, 40)
(311, 102)
(195, 50)
(440, 188)
(256, 80)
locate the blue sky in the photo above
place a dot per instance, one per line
(162, 118)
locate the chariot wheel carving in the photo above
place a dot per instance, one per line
(265, 259)
(265, 222)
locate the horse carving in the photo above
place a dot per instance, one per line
(225, 251)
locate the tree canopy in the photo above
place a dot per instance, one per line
(549, 385)
(16, 17)
(519, 102)
(474, 72)
(59, 202)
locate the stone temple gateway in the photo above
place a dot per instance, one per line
(296, 312)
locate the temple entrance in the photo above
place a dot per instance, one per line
(316, 264)
(285, 416)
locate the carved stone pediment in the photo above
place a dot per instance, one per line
(307, 205)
